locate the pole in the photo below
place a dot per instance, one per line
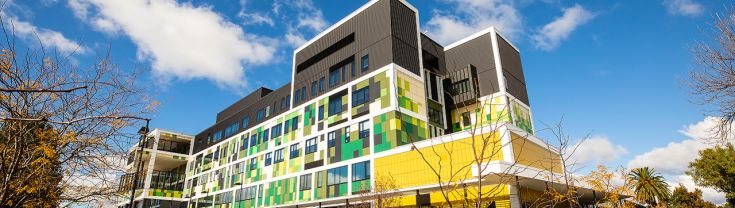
(144, 133)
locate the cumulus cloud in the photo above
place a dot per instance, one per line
(683, 7)
(558, 30)
(673, 159)
(181, 40)
(597, 150)
(470, 16)
(46, 37)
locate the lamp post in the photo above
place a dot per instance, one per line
(143, 132)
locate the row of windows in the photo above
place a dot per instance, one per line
(334, 79)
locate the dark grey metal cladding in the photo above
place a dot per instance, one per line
(510, 59)
(405, 37)
(433, 55)
(243, 103)
(477, 52)
(386, 32)
(201, 140)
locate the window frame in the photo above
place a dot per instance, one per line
(363, 129)
(311, 146)
(365, 62)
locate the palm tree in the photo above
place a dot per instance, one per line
(650, 186)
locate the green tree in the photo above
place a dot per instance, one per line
(682, 198)
(649, 186)
(715, 168)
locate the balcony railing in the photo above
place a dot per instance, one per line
(173, 146)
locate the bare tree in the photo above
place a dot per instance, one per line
(713, 78)
(383, 194)
(63, 130)
(564, 149)
(485, 144)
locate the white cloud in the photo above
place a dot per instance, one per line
(181, 40)
(470, 16)
(597, 150)
(551, 35)
(253, 18)
(295, 39)
(683, 7)
(47, 38)
(673, 159)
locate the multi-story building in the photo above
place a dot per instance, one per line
(161, 167)
(373, 100)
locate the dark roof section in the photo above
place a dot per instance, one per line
(243, 103)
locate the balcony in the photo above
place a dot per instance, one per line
(173, 146)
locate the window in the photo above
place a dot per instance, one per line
(331, 137)
(273, 110)
(461, 86)
(217, 136)
(243, 142)
(288, 101)
(267, 111)
(253, 163)
(321, 112)
(294, 123)
(276, 131)
(347, 134)
(313, 89)
(319, 176)
(294, 151)
(265, 135)
(436, 116)
(268, 159)
(245, 122)
(333, 77)
(232, 129)
(344, 73)
(364, 130)
(321, 84)
(310, 146)
(361, 96)
(361, 171)
(305, 182)
(259, 115)
(278, 156)
(296, 96)
(283, 103)
(254, 139)
(335, 106)
(286, 127)
(365, 63)
(466, 118)
(336, 176)
(303, 93)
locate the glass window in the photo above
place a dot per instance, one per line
(321, 84)
(294, 123)
(259, 115)
(303, 93)
(333, 77)
(243, 142)
(217, 136)
(232, 129)
(253, 163)
(335, 106)
(361, 171)
(331, 137)
(296, 96)
(305, 182)
(276, 131)
(364, 129)
(283, 103)
(365, 63)
(265, 135)
(310, 146)
(361, 96)
(337, 176)
(344, 73)
(294, 151)
(288, 101)
(313, 89)
(347, 134)
(353, 68)
(319, 180)
(254, 139)
(321, 112)
(466, 118)
(268, 159)
(278, 156)
(245, 122)
(286, 127)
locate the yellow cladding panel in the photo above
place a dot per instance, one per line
(531, 154)
(452, 160)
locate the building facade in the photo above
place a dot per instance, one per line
(373, 100)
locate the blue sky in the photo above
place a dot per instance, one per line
(610, 68)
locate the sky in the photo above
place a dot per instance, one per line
(614, 70)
